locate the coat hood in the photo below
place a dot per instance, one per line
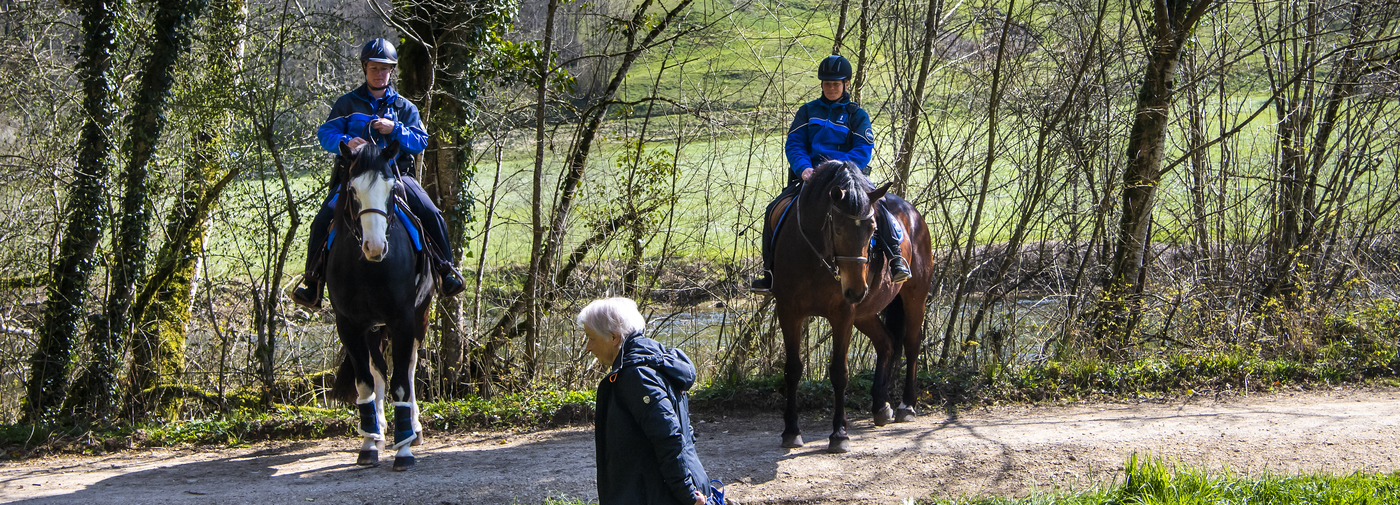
(670, 363)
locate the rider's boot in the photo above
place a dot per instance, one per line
(891, 234)
(450, 281)
(308, 293)
(899, 269)
(763, 283)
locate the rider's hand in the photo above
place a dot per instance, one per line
(383, 126)
(807, 173)
(699, 498)
(355, 143)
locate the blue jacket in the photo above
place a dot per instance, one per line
(350, 117)
(645, 446)
(820, 130)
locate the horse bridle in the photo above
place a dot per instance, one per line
(356, 230)
(830, 238)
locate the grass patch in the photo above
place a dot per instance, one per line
(1151, 481)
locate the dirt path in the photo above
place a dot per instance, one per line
(987, 451)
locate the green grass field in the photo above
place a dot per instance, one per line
(1152, 481)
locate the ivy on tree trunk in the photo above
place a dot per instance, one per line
(51, 362)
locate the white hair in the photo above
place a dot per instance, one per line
(612, 316)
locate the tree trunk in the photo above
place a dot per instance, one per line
(858, 81)
(903, 157)
(1294, 235)
(531, 294)
(66, 294)
(840, 35)
(530, 301)
(1173, 21)
(163, 307)
(95, 392)
(993, 103)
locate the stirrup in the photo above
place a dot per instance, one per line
(899, 270)
(762, 284)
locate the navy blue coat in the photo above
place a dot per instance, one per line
(820, 131)
(645, 446)
(354, 110)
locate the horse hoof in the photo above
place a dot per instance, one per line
(883, 415)
(905, 416)
(417, 440)
(368, 458)
(792, 441)
(403, 463)
(839, 445)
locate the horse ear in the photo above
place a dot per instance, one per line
(391, 152)
(346, 151)
(879, 192)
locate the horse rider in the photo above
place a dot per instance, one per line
(831, 128)
(373, 112)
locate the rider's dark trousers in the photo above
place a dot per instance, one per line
(887, 237)
(766, 242)
(418, 202)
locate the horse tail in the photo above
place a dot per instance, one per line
(344, 388)
(894, 317)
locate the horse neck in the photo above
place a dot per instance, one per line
(814, 207)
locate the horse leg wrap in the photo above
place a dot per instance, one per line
(403, 424)
(369, 420)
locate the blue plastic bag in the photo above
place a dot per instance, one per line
(716, 492)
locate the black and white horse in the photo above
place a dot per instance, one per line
(380, 288)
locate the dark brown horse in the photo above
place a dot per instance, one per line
(825, 268)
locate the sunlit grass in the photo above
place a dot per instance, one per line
(1157, 481)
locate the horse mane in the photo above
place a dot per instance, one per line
(843, 175)
(369, 158)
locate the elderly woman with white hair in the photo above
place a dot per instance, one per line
(644, 443)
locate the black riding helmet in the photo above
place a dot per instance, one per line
(834, 68)
(380, 50)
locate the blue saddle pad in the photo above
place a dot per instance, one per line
(413, 231)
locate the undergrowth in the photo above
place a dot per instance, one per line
(242, 426)
(1360, 348)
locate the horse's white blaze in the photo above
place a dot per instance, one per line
(372, 192)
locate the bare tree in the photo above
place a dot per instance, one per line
(1171, 24)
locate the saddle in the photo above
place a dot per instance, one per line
(782, 207)
(780, 210)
